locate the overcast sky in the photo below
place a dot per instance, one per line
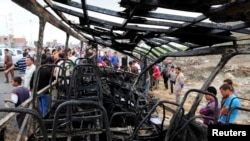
(22, 23)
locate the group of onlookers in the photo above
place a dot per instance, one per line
(173, 75)
(20, 93)
(229, 100)
(107, 59)
(23, 84)
(170, 73)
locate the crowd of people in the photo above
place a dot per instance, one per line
(172, 75)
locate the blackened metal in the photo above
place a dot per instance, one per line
(33, 113)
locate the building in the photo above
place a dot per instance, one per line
(14, 42)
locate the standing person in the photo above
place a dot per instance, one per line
(209, 109)
(108, 58)
(30, 68)
(72, 58)
(165, 75)
(151, 79)
(99, 57)
(8, 62)
(230, 101)
(138, 66)
(115, 61)
(20, 64)
(133, 68)
(172, 76)
(61, 73)
(18, 96)
(179, 85)
(27, 50)
(230, 83)
(156, 76)
(45, 76)
(124, 62)
(49, 55)
(91, 55)
(56, 54)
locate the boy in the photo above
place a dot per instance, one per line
(230, 101)
(209, 109)
(18, 96)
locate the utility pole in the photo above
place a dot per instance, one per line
(31, 39)
(7, 28)
(11, 29)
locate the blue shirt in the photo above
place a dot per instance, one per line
(115, 60)
(232, 102)
(21, 65)
(99, 59)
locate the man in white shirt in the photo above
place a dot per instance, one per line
(137, 65)
(30, 68)
(179, 85)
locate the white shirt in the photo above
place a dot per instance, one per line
(56, 70)
(14, 97)
(28, 74)
(138, 66)
(178, 81)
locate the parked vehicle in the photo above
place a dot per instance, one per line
(18, 52)
(15, 53)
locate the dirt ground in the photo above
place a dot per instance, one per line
(197, 70)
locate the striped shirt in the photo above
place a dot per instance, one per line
(21, 65)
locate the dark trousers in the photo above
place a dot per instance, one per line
(165, 79)
(172, 85)
(43, 104)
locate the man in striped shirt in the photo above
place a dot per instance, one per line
(20, 64)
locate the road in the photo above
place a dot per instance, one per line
(5, 90)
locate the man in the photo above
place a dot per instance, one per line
(137, 65)
(56, 54)
(18, 96)
(45, 76)
(20, 64)
(230, 83)
(8, 62)
(72, 58)
(230, 101)
(172, 78)
(179, 85)
(165, 74)
(156, 76)
(107, 57)
(124, 62)
(115, 61)
(133, 68)
(30, 68)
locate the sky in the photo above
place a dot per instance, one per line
(22, 23)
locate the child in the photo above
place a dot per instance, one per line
(209, 109)
(18, 96)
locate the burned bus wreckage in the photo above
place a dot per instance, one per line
(100, 103)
